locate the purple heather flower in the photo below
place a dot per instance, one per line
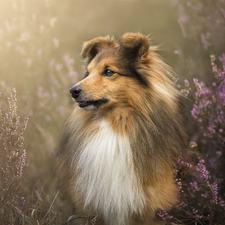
(186, 83)
(194, 186)
(58, 66)
(195, 112)
(214, 189)
(222, 203)
(202, 170)
(164, 214)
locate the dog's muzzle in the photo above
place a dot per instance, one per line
(84, 102)
(75, 91)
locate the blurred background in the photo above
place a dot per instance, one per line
(40, 44)
(74, 22)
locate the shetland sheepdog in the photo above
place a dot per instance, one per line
(118, 148)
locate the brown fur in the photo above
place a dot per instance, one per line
(143, 105)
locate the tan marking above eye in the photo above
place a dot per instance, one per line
(102, 66)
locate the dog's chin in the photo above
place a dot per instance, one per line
(91, 105)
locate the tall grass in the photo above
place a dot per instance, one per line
(36, 70)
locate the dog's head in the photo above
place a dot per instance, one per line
(111, 70)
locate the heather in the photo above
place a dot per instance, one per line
(38, 66)
(201, 179)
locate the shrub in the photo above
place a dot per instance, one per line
(34, 63)
(13, 162)
(16, 205)
(201, 182)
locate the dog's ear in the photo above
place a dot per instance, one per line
(91, 48)
(134, 45)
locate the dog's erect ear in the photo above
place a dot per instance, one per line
(134, 45)
(91, 48)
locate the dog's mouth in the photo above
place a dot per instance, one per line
(92, 104)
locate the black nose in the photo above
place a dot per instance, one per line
(75, 91)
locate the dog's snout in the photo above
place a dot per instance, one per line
(75, 91)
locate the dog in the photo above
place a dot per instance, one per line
(118, 149)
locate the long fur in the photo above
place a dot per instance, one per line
(117, 160)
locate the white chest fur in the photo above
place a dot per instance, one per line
(107, 178)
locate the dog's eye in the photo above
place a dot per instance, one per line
(108, 73)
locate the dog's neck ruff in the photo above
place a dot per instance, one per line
(106, 176)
